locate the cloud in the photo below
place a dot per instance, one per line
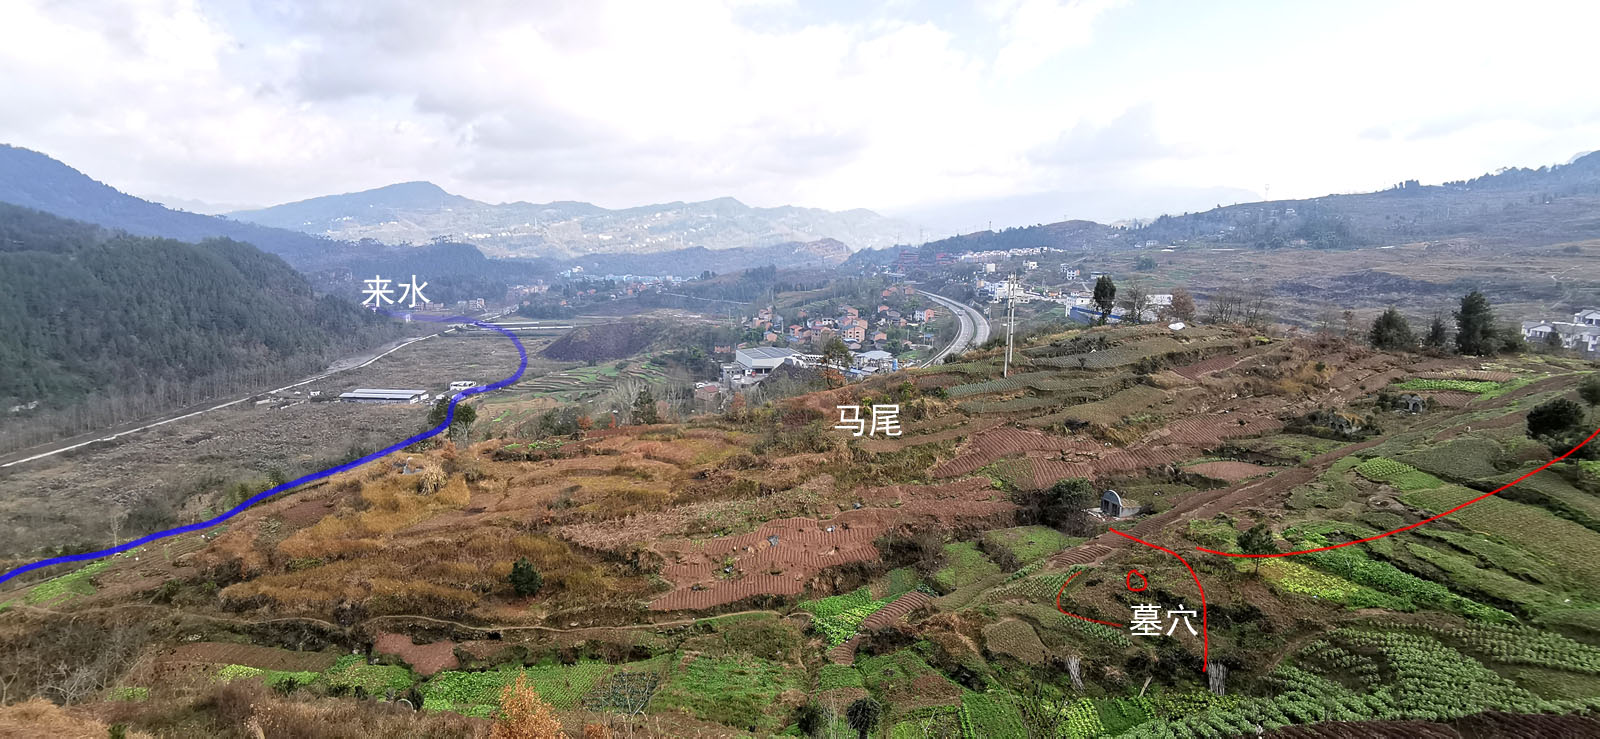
(1129, 139)
(1036, 30)
(896, 106)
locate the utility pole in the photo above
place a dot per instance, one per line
(1011, 320)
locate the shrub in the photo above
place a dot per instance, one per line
(1589, 390)
(525, 580)
(1554, 417)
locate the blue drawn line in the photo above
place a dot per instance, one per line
(269, 492)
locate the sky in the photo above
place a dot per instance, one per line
(950, 114)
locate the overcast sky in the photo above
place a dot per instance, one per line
(1025, 109)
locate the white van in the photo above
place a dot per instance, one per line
(462, 385)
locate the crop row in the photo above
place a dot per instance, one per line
(1355, 566)
(838, 617)
(989, 386)
(990, 714)
(1467, 386)
(1524, 645)
(1400, 475)
(562, 686)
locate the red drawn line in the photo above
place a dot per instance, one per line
(1511, 484)
(1074, 615)
(1205, 627)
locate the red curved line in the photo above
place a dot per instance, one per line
(1408, 527)
(1064, 611)
(1205, 626)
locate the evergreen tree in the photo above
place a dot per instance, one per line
(1554, 418)
(1105, 296)
(1258, 540)
(1560, 425)
(465, 414)
(525, 580)
(1390, 331)
(644, 407)
(1475, 334)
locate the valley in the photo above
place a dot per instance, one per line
(757, 548)
(1058, 369)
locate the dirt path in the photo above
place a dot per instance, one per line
(377, 619)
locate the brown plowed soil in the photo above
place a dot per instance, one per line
(266, 658)
(1228, 471)
(1451, 398)
(999, 443)
(426, 659)
(1467, 374)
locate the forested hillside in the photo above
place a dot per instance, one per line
(85, 311)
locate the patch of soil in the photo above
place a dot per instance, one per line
(1228, 471)
(266, 658)
(426, 659)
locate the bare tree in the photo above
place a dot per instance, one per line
(1226, 306)
(1182, 306)
(1257, 309)
(1135, 301)
(1327, 320)
(118, 517)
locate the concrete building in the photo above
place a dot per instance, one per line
(376, 395)
(1582, 333)
(1113, 505)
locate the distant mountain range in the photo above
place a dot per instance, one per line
(33, 180)
(1510, 208)
(820, 254)
(420, 212)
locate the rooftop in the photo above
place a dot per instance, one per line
(367, 392)
(767, 352)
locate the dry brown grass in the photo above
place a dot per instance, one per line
(442, 574)
(38, 717)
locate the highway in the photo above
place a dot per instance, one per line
(974, 329)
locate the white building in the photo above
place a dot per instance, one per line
(1581, 333)
(374, 395)
(752, 365)
(876, 360)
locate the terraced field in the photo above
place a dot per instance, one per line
(750, 572)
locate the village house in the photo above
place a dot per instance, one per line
(1113, 505)
(751, 365)
(1582, 333)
